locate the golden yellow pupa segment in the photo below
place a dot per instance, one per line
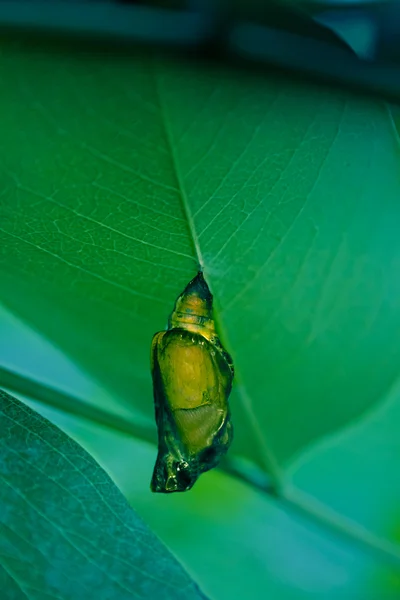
(192, 379)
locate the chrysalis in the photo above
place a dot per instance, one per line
(192, 379)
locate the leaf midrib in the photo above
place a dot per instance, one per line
(268, 459)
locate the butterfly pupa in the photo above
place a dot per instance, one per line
(192, 379)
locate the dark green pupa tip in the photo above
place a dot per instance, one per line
(198, 287)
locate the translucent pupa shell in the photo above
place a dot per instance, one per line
(192, 379)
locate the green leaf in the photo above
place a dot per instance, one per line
(356, 472)
(257, 546)
(122, 171)
(65, 529)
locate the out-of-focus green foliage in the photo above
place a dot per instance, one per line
(65, 530)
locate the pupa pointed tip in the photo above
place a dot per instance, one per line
(198, 286)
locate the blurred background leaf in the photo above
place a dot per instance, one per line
(66, 531)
